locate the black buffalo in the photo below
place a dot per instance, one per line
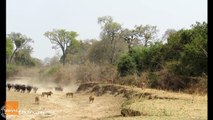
(29, 88)
(58, 89)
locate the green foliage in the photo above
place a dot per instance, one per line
(9, 48)
(189, 47)
(110, 37)
(195, 56)
(145, 59)
(152, 80)
(23, 58)
(78, 52)
(20, 41)
(137, 55)
(184, 56)
(126, 65)
(98, 53)
(174, 65)
(61, 39)
(176, 44)
(101, 51)
(193, 61)
(153, 58)
(130, 37)
(146, 34)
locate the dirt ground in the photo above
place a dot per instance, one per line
(60, 107)
(105, 107)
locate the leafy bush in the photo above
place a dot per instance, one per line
(141, 59)
(126, 65)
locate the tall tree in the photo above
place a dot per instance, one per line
(77, 54)
(194, 56)
(188, 48)
(61, 39)
(130, 36)
(20, 41)
(147, 34)
(110, 35)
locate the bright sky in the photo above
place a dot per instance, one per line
(34, 17)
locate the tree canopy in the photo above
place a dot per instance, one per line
(61, 39)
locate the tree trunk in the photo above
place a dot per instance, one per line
(13, 55)
(63, 58)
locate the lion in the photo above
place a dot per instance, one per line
(91, 99)
(69, 94)
(37, 100)
(46, 93)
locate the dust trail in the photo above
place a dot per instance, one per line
(45, 85)
(58, 106)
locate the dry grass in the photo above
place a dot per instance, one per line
(59, 107)
(163, 105)
(171, 106)
(177, 106)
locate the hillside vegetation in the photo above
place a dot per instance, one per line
(177, 61)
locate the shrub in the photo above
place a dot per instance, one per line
(90, 72)
(152, 80)
(126, 65)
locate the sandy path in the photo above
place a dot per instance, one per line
(59, 107)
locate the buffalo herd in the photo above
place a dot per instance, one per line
(28, 88)
(21, 88)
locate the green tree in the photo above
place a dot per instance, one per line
(9, 48)
(110, 37)
(187, 48)
(153, 58)
(23, 58)
(167, 33)
(61, 39)
(147, 58)
(176, 42)
(194, 55)
(144, 59)
(130, 37)
(77, 54)
(126, 65)
(146, 34)
(20, 41)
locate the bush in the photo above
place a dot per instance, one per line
(199, 86)
(126, 65)
(89, 72)
(139, 60)
(128, 80)
(152, 80)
